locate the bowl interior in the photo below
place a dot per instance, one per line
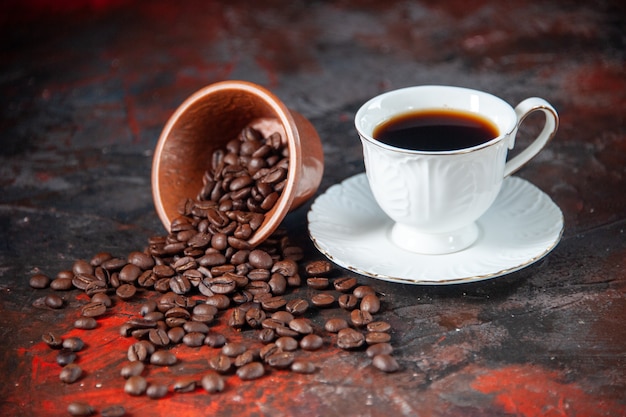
(206, 121)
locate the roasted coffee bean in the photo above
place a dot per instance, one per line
(318, 268)
(258, 287)
(137, 352)
(272, 323)
(285, 267)
(180, 284)
(268, 350)
(259, 275)
(260, 259)
(222, 284)
(156, 391)
(297, 306)
(61, 284)
(114, 264)
(163, 271)
(212, 382)
(205, 309)
(323, 300)
(350, 339)
(136, 385)
(154, 316)
(378, 326)
(163, 358)
(237, 318)
(130, 273)
(278, 284)
(158, 337)
(362, 290)
(300, 325)
(267, 335)
(273, 303)
(286, 331)
(65, 357)
(311, 342)
(184, 384)
(93, 309)
(141, 323)
(245, 358)
(283, 316)
(360, 318)
(370, 303)
(196, 327)
(385, 363)
(126, 291)
(280, 360)
(39, 281)
(178, 312)
(344, 284)
(132, 368)
(85, 323)
(53, 301)
(176, 334)
(317, 283)
(141, 259)
(70, 373)
(348, 301)
(79, 409)
(113, 411)
(372, 338)
(302, 367)
(286, 343)
(233, 349)
(220, 301)
(194, 339)
(250, 371)
(81, 266)
(254, 317)
(379, 348)
(215, 340)
(335, 324)
(220, 363)
(102, 298)
(75, 344)
(52, 339)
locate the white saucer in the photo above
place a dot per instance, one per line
(522, 226)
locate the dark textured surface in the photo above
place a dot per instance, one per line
(87, 86)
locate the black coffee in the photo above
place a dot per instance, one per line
(436, 130)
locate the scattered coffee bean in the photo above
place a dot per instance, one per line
(156, 391)
(52, 340)
(70, 373)
(136, 385)
(286, 343)
(212, 382)
(126, 291)
(65, 357)
(372, 338)
(323, 300)
(317, 268)
(80, 409)
(53, 301)
(93, 309)
(61, 284)
(344, 284)
(163, 358)
(379, 348)
(385, 362)
(75, 344)
(350, 338)
(39, 281)
(370, 303)
(311, 342)
(233, 349)
(348, 301)
(317, 283)
(280, 360)
(360, 318)
(220, 363)
(250, 371)
(362, 290)
(303, 367)
(378, 326)
(184, 384)
(133, 368)
(335, 324)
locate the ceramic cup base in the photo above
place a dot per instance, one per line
(413, 240)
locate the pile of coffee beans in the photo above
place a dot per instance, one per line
(204, 272)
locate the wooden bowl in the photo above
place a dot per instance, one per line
(211, 117)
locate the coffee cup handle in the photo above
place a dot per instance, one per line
(523, 109)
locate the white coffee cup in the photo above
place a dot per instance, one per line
(435, 197)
